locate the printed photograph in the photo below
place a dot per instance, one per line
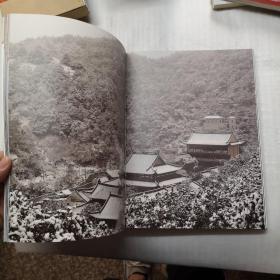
(193, 155)
(66, 132)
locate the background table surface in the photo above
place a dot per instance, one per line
(187, 25)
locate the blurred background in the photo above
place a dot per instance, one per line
(23, 266)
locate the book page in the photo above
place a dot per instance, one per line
(193, 155)
(65, 96)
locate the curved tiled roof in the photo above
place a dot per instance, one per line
(211, 139)
(141, 164)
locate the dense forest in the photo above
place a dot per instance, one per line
(168, 96)
(65, 108)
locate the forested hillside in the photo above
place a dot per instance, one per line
(65, 106)
(169, 95)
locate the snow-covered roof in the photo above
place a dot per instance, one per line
(103, 192)
(83, 196)
(210, 139)
(140, 163)
(213, 117)
(111, 209)
(166, 168)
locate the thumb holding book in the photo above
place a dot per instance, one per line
(5, 168)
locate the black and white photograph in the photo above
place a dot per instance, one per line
(193, 155)
(66, 134)
(102, 140)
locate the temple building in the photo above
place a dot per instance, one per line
(102, 192)
(150, 171)
(111, 210)
(213, 147)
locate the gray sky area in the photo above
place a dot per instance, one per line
(25, 26)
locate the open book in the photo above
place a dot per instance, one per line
(102, 140)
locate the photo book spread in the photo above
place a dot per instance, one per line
(104, 141)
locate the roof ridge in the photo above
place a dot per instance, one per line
(152, 165)
(227, 133)
(106, 202)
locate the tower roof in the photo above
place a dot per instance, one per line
(210, 139)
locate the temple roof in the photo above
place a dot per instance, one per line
(83, 196)
(210, 139)
(141, 164)
(103, 192)
(111, 209)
